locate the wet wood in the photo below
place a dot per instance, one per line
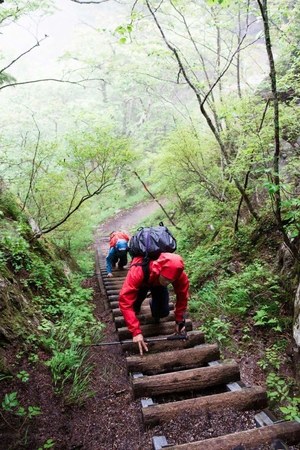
(194, 338)
(113, 284)
(116, 275)
(145, 309)
(184, 359)
(247, 398)
(144, 319)
(186, 380)
(112, 292)
(288, 432)
(164, 328)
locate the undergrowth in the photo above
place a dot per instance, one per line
(233, 284)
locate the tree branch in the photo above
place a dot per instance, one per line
(33, 168)
(57, 80)
(89, 2)
(98, 191)
(154, 198)
(22, 54)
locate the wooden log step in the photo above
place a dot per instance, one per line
(109, 287)
(193, 338)
(153, 329)
(183, 359)
(110, 282)
(288, 432)
(112, 291)
(144, 319)
(245, 399)
(116, 275)
(113, 298)
(186, 380)
(145, 309)
(114, 304)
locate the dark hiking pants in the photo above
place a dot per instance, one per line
(159, 304)
(120, 258)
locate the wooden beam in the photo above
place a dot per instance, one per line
(145, 309)
(144, 319)
(154, 329)
(193, 338)
(150, 364)
(186, 380)
(245, 399)
(287, 431)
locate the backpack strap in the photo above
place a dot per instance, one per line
(146, 268)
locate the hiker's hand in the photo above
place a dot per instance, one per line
(139, 339)
(180, 327)
(109, 275)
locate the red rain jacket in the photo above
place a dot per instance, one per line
(169, 265)
(115, 235)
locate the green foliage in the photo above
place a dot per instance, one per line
(6, 78)
(292, 215)
(41, 274)
(15, 250)
(278, 388)
(48, 444)
(207, 260)
(11, 404)
(124, 31)
(291, 410)
(70, 325)
(268, 315)
(23, 376)
(272, 359)
(8, 206)
(217, 330)
(238, 293)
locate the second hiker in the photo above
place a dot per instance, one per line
(118, 247)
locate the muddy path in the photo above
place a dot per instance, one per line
(128, 219)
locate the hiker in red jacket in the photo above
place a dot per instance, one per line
(156, 276)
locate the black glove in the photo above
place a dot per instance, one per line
(181, 325)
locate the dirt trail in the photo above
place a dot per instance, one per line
(129, 219)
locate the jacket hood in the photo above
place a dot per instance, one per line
(169, 265)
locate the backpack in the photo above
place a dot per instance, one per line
(150, 242)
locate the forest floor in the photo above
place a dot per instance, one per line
(111, 419)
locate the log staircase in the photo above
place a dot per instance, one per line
(188, 375)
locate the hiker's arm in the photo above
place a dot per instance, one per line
(128, 296)
(139, 339)
(109, 260)
(181, 288)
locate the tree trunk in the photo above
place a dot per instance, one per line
(276, 155)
